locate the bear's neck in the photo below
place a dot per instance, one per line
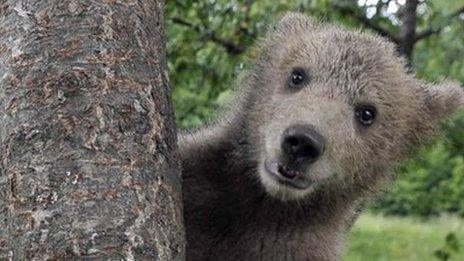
(228, 215)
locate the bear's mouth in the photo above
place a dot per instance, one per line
(285, 175)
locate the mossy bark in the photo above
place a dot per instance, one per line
(88, 163)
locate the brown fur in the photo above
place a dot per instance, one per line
(234, 212)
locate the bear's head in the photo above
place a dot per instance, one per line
(334, 107)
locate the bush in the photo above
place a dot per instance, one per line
(433, 181)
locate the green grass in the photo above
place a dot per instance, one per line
(376, 237)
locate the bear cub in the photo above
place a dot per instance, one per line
(319, 123)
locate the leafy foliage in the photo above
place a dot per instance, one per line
(433, 181)
(210, 43)
(201, 68)
(450, 248)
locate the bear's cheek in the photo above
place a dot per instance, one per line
(348, 154)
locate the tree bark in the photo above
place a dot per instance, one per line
(407, 37)
(88, 163)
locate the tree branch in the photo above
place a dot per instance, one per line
(230, 46)
(426, 33)
(433, 31)
(344, 10)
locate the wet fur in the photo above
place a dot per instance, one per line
(231, 215)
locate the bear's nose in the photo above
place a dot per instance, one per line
(302, 144)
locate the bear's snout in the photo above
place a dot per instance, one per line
(302, 144)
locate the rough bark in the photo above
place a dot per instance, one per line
(88, 167)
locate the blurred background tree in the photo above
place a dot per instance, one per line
(210, 44)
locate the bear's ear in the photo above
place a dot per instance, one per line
(443, 99)
(293, 22)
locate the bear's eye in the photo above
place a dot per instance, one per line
(297, 78)
(365, 115)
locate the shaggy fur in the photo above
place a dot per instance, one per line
(234, 211)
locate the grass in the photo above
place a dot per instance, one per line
(376, 237)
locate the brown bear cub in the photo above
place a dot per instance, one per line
(320, 121)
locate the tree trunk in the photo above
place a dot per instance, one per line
(88, 164)
(407, 37)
